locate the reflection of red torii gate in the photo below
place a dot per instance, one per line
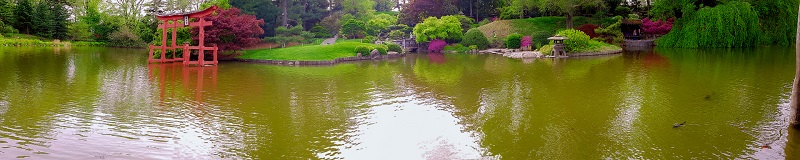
(186, 18)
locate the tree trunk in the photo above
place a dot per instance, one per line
(794, 120)
(569, 20)
(285, 21)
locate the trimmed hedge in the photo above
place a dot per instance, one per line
(475, 37)
(513, 41)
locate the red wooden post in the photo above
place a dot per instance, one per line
(164, 42)
(201, 44)
(215, 54)
(174, 38)
(150, 53)
(186, 53)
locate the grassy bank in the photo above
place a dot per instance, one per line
(539, 28)
(306, 53)
(29, 40)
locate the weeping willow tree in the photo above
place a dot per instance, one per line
(730, 25)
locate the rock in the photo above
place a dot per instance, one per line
(390, 53)
(374, 52)
(358, 55)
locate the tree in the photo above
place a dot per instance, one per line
(23, 14)
(265, 10)
(43, 20)
(794, 105)
(384, 5)
(60, 24)
(567, 8)
(354, 29)
(446, 28)
(417, 10)
(358, 7)
(232, 30)
(6, 12)
(380, 24)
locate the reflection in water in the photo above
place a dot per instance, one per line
(96, 103)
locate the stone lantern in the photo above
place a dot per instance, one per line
(559, 50)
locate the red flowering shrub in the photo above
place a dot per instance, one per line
(589, 30)
(526, 41)
(659, 27)
(232, 30)
(436, 46)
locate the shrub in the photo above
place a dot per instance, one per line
(577, 40)
(475, 37)
(364, 50)
(457, 48)
(497, 43)
(369, 39)
(397, 34)
(321, 32)
(546, 50)
(484, 22)
(436, 46)
(513, 41)
(623, 10)
(394, 48)
(473, 47)
(526, 41)
(382, 48)
(589, 30)
(659, 27)
(612, 33)
(124, 37)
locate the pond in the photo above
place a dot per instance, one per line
(97, 103)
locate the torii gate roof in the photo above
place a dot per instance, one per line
(192, 14)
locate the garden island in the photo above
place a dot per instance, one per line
(399, 79)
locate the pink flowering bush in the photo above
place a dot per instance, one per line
(526, 41)
(436, 46)
(659, 27)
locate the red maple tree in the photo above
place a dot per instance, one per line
(232, 30)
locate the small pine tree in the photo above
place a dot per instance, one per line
(43, 20)
(22, 16)
(60, 25)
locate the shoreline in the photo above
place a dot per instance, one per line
(321, 63)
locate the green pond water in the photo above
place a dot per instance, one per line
(104, 103)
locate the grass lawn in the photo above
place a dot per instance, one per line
(307, 53)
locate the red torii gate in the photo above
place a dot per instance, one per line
(201, 48)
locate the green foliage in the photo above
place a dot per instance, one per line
(546, 49)
(622, 11)
(513, 41)
(23, 14)
(394, 48)
(222, 4)
(458, 48)
(475, 37)
(577, 39)
(612, 33)
(364, 50)
(380, 23)
(397, 34)
(466, 22)
(124, 37)
(354, 29)
(285, 35)
(447, 28)
(733, 24)
(321, 32)
(6, 13)
(473, 47)
(510, 12)
(778, 20)
(484, 22)
(383, 49)
(369, 39)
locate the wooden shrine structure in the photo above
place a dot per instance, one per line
(186, 19)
